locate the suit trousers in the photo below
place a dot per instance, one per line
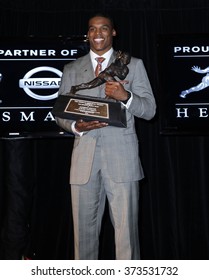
(88, 203)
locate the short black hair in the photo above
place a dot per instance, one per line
(105, 15)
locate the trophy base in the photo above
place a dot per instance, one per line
(75, 106)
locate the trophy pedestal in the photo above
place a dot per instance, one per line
(75, 106)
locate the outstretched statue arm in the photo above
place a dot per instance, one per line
(199, 70)
(92, 84)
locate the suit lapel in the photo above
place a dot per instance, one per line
(112, 58)
(87, 68)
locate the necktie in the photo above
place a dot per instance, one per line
(99, 65)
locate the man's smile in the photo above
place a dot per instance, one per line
(98, 40)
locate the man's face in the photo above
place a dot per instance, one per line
(100, 34)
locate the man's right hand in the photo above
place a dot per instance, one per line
(82, 126)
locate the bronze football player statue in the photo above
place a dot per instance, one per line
(118, 68)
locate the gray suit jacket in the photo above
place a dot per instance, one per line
(120, 144)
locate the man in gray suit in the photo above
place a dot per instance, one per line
(105, 160)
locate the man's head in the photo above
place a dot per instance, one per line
(100, 33)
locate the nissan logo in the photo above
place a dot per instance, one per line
(28, 83)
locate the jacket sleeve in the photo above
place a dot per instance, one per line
(65, 86)
(143, 104)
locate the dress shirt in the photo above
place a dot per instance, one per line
(107, 56)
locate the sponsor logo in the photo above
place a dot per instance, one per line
(28, 83)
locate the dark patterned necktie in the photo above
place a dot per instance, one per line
(99, 65)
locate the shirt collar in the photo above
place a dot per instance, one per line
(106, 55)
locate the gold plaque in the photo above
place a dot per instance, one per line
(87, 108)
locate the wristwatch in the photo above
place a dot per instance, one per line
(129, 95)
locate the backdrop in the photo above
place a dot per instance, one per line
(174, 209)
